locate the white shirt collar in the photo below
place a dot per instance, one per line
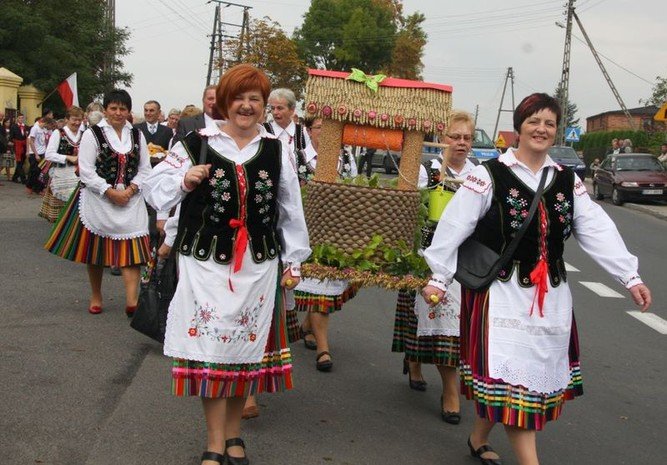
(216, 130)
(509, 159)
(105, 124)
(290, 129)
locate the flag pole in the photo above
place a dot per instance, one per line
(49, 95)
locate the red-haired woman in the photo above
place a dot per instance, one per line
(241, 239)
(519, 347)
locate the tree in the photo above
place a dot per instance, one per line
(269, 48)
(406, 58)
(572, 110)
(341, 34)
(44, 42)
(659, 95)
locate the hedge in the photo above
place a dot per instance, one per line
(595, 144)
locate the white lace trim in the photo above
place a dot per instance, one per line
(544, 381)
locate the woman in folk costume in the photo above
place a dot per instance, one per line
(431, 335)
(62, 154)
(519, 347)
(241, 239)
(105, 222)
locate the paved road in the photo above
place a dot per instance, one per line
(82, 389)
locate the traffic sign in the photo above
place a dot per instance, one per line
(500, 142)
(572, 134)
(661, 115)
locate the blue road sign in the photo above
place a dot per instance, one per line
(572, 134)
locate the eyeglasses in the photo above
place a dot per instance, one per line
(465, 137)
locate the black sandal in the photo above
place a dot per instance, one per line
(324, 365)
(214, 456)
(477, 453)
(235, 460)
(310, 345)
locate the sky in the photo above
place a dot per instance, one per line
(471, 45)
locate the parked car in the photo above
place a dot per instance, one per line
(630, 176)
(566, 156)
(389, 160)
(483, 147)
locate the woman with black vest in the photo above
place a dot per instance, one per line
(105, 222)
(519, 346)
(241, 240)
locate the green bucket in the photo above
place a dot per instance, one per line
(438, 199)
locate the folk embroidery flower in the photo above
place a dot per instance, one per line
(201, 319)
(202, 324)
(564, 208)
(220, 192)
(264, 195)
(517, 209)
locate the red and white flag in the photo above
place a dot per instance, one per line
(68, 91)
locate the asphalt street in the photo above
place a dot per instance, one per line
(79, 389)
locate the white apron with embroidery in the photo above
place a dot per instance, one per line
(63, 181)
(443, 319)
(209, 322)
(524, 350)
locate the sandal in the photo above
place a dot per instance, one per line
(477, 453)
(235, 460)
(214, 456)
(310, 344)
(324, 365)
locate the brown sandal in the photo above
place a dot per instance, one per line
(324, 365)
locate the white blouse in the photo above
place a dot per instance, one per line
(54, 141)
(595, 232)
(163, 189)
(98, 214)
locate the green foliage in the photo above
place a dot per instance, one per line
(372, 35)
(659, 93)
(595, 144)
(572, 120)
(376, 257)
(45, 42)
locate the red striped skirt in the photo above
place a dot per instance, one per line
(325, 304)
(214, 380)
(494, 399)
(69, 239)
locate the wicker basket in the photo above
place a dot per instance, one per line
(347, 216)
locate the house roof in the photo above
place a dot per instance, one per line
(639, 111)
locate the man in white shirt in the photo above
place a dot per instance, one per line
(282, 104)
(153, 131)
(37, 142)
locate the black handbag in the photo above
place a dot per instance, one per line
(159, 287)
(155, 295)
(478, 265)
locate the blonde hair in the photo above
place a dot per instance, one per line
(191, 110)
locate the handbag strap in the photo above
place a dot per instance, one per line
(511, 248)
(203, 150)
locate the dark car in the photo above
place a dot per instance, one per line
(390, 160)
(566, 156)
(630, 176)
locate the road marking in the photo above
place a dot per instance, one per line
(569, 267)
(652, 320)
(601, 290)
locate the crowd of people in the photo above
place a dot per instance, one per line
(221, 189)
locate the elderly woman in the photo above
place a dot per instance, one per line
(105, 222)
(519, 347)
(426, 335)
(241, 239)
(62, 153)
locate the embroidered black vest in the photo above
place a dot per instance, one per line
(116, 168)
(205, 225)
(303, 169)
(66, 147)
(510, 204)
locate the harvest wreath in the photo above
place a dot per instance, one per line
(366, 233)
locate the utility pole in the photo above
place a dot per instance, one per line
(217, 62)
(109, 55)
(508, 77)
(565, 75)
(476, 113)
(604, 72)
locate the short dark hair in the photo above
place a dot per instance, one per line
(117, 96)
(532, 104)
(154, 102)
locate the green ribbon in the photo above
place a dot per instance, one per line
(371, 81)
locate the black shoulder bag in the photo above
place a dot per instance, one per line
(478, 265)
(158, 287)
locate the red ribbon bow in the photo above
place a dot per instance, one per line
(241, 242)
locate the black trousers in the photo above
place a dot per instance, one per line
(19, 174)
(33, 181)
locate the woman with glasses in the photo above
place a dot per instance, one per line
(519, 344)
(428, 335)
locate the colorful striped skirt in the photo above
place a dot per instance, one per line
(324, 304)
(51, 206)
(69, 239)
(215, 380)
(494, 399)
(438, 350)
(294, 332)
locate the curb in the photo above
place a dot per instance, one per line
(650, 211)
